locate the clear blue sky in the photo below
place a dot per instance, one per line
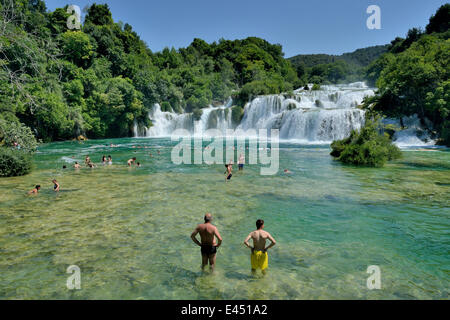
(300, 26)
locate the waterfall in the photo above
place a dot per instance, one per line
(164, 123)
(413, 135)
(308, 115)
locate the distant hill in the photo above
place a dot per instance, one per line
(365, 56)
(360, 57)
(325, 68)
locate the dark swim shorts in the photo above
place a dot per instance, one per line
(241, 165)
(208, 249)
(229, 176)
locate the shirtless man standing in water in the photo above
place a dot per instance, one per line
(259, 257)
(208, 234)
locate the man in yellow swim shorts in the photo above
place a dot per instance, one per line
(259, 257)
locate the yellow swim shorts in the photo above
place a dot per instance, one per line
(259, 260)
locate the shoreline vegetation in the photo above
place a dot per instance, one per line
(102, 80)
(366, 147)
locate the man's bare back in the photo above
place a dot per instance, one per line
(207, 233)
(259, 258)
(259, 238)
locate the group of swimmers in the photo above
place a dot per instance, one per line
(259, 258)
(35, 190)
(88, 162)
(105, 161)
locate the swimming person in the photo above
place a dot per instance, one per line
(87, 160)
(228, 172)
(35, 190)
(259, 258)
(131, 161)
(241, 162)
(138, 164)
(208, 234)
(104, 160)
(55, 185)
(76, 165)
(109, 160)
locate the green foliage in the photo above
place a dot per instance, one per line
(17, 143)
(415, 81)
(197, 113)
(101, 80)
(262, 87)
(166, 107)
(323, 68)
(14, 162)
(413, 78)
(440, 21)
(438, 103)
(77, 47)
(237, 112)
(315, 87)
(367, 147)
(99, 14)
(373, 71)
(445, 133)
(12, 133)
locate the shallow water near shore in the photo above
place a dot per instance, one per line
(128, 229)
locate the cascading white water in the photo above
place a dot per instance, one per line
(413, 135)
(310, 115)
(164, 123)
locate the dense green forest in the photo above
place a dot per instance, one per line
(413, 76)
(325, 68)
(100, 80)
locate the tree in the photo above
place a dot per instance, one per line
(367, 147)
(17, 135)
(17, 143)
(101, 80)
(77, 47)
(99, 14)
(440, 21)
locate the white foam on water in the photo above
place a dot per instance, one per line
(307, 117)
(68, 160)
(413, 135)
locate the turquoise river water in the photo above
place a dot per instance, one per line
(128, 229)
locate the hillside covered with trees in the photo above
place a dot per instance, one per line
(325, 68)
(102, 79)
